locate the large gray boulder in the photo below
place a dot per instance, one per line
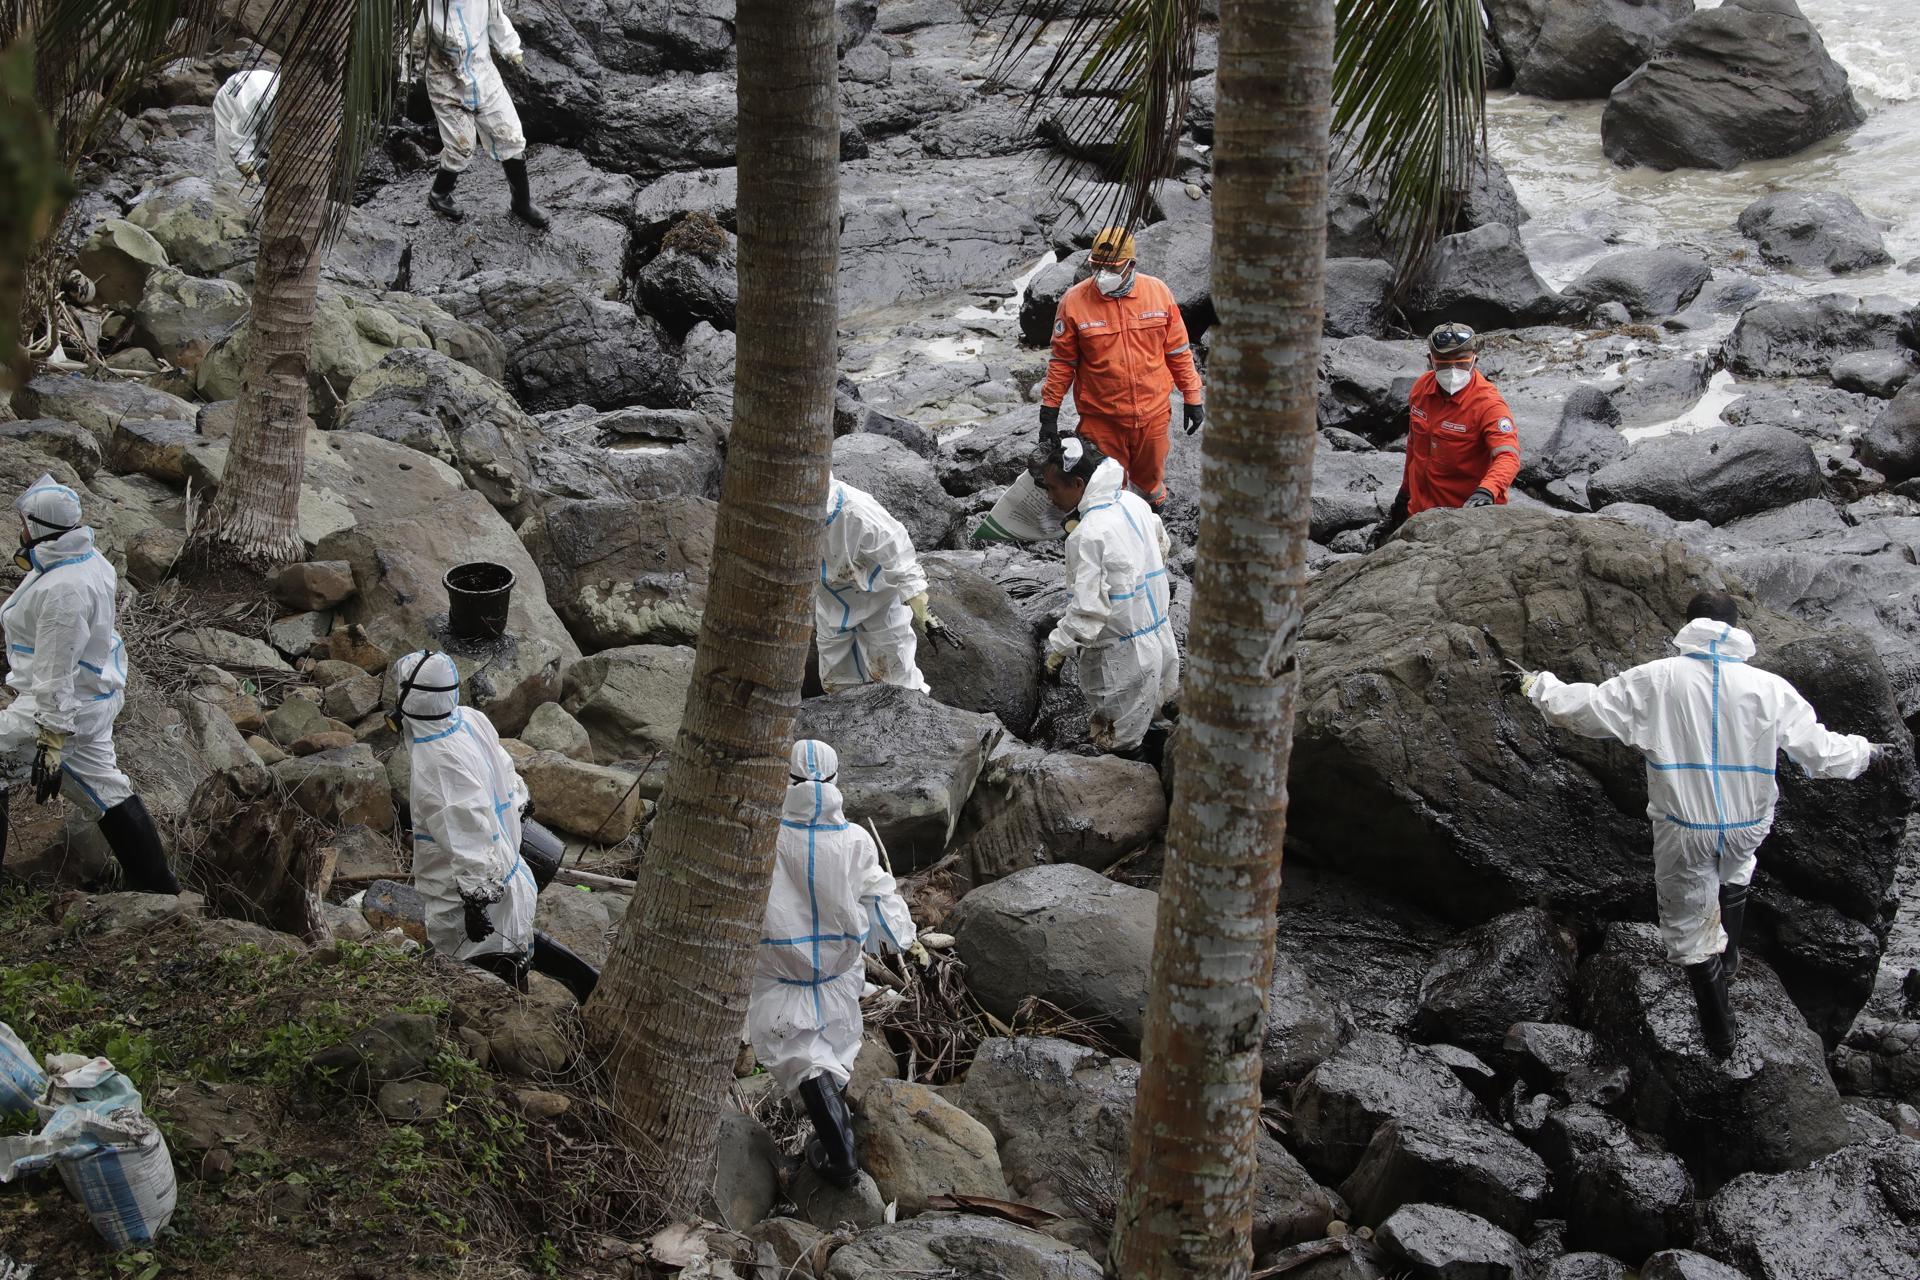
(1623, 1191)
(1447, 1244)
(1748, 80)
(650, 453)
(1063, 934)
(1414, 773)
(1181, 254)
(1306, 1025)
(691, 279)
(1514, 968)
(1891, 445)
(1649, 283)
(933, 1242)
(1579, 48)
(1482, 278)
(1031, 808)
(1769, 1108)
(398, 562)
(1473, 1164)
(999, 669)
(900, 480)
(1713, 475)
(1364, 385)
(1358, 293)
(907, 763)
(1814, 231)
(96, 404)
(629, 699)
(1801, 337)
(1374, 1078)
(621, 573)
(1855, 1213)
(1351, 489)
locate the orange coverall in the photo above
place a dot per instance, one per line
(1122, 358)
(1456, 444)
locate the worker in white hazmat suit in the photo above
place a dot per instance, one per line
(830, 899)
(242, 111)
(459, 39)
(1710, 727)
(68, 667)
(467, 802)
(1118, 622)
(871, 592)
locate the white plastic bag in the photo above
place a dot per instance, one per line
(21, 1080)
(108, 1150)
(1024, 514)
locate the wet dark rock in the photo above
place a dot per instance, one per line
(1062, 1114)
(1712, 475)
(1802, 337)
(1810, 411)
(923, 229)
(620, 572)
(1358, 290)
(907, 763)
(682, 287)
(1880, 1057)
(1685, 1264)
(901, 481)
(1306, 1025)
(1472, 1164)
(1067, 935)
(1041, 303)
(1564, 1059)
(1181, 254)
(999, 669)
(1891, 445)
(566, 345)
(1880, 374)
(1445, 1244)
(1031, 808)
(1352, 490)
(1401, 719)
(1364, 385)
(993, 451)
(1748, 80)
(1366, 948)
(1586, 439)
(851, 414)
(1374, 1078)
(1814, 231)
(399, 1046)
(1355, 201)
(1650, 283)
(1482, 278)
(1586, 1266)
(1770, 1107)
(1579, 48)
(1514, 968)
(1623, 1192)
(1855, 1213)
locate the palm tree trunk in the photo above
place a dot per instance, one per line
(672, 1001)
(253, 521)
(1188, 1209)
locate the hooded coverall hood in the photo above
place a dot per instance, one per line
(53, 520)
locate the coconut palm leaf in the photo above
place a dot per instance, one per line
(1408, 90)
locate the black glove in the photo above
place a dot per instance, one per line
(1396, 516)
(526, 810)
(46, 765)
(1480, 498)
(1049, 423)
(474, 908)
(1196, 417)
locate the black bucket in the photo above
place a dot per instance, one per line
(478, 594)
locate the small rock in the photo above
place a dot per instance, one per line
(362, 855)
(959, 1245)
(353, 698)
(327, 672)
(526, 1044)
(216, 1166)
(315, 743)
(294, 719)
(314, 585)
(406, 1101)
(296, 635)
(1685, 1264)
(270, 753)
(1446, 1244)
(918, 1145)
(225, 649)
(746, 1176)
(389, 905)
(1880, 374)
(151, 555)
(539, 1104)
(343, 786)
(155, 447)
(792, 1242)
(399, 1046)
(108, 912)
(829, 1207)
(550, 728)
(1814, 230)
(1515, 968)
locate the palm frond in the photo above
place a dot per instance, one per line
(1409, 111)
(1119, 73)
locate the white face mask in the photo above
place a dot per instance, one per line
(1453, 379)
(1111, 282)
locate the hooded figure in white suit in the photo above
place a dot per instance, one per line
(69, 668)
(871, 592)
(1711, 728)
(241, 112)
(470, 103)
(831, 901)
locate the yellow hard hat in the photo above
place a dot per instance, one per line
(1112, 246)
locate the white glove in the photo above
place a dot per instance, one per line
(517, 59)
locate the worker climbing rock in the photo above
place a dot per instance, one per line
(1118, 623)
(466, 801)
(1462, 450)
(470, 103)
(871, 592)
(1710, 726)
(242, 121)
(1120, 346)
(68, 666)
(830, 902)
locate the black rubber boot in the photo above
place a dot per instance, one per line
(135, 842)
(523, 206)
(441, 199)
(511, 970)
(1733, 917)
(561, 964)
(1716, 1011)
(832, 1154)
(542, 851)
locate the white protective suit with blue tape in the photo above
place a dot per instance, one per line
(465, 799)
(862, 626)
(241, 111)
(470, 102)
(64, 658)
(1711, 728)
(1118, 622)
(830, 902)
